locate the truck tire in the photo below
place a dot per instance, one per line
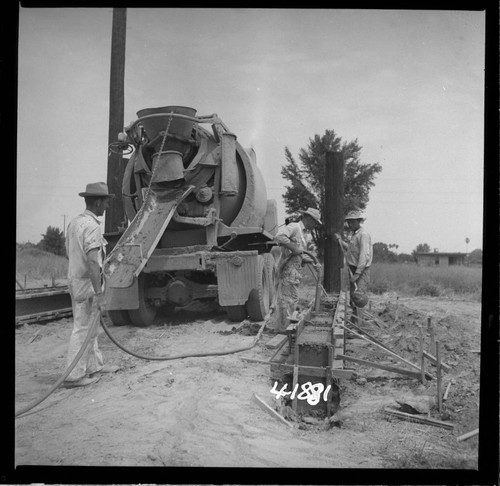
(258, 300)
(270, 266)
(236, 313)
(119, 317)
(146, 313)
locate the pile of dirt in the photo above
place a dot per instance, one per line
(246, 328)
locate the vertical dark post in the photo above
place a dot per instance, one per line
(438, 376)
(421, 354)
(115, 213)
(334, 220)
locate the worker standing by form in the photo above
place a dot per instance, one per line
(292, 242)
(85, 247)
(358, 254)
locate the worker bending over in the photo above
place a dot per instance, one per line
(292, 242)
(85, 247)
(358, 254)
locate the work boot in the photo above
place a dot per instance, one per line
(81, 382)
(105, 369)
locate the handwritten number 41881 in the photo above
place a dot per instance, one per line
(311, 393)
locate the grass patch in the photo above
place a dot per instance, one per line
(35, 264)
(405, 448)
(415, 280)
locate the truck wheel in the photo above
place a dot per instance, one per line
(236, 313)
(258, 301)
(146, 313)
(119, 317)
(270, 266)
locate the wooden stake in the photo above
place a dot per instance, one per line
(468, 435)
(445, 396)
(430, 328)
(33, 337)
(419, 419)
(317, 301)
(421, 355)
(438, 372)
(397, 309)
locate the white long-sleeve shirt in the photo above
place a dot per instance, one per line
(291, 233)
(359, 252)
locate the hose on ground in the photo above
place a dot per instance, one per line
(90, 333)
(92, 329)
(181, 356)
(58, 383)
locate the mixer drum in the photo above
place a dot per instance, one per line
(244, 206)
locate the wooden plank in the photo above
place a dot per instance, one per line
(277, 341)
(427, 375)
(316, 371)
(300, 327)
(295, 382)
(252, 360)
(419, 419)
(376, 320)
(393, 369)
(369, 336)
(433, 360)
(329, 379)
(468, 435)
(264, 406)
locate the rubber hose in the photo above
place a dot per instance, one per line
(56, 385)
(180, 356)
(132, 353)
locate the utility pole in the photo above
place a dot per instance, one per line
(334, 220)
(64, 225)
(115, 214)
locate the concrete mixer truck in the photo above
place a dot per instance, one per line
(199, 224)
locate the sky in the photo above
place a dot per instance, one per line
(407, 84)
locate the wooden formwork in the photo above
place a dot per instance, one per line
(310, 354)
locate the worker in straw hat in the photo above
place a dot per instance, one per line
(85, 247)
(292, 242)
(358, 254)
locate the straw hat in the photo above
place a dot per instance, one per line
(314, 213)
(355, 215)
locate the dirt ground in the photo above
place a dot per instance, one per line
(200, 411)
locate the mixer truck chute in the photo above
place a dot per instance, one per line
(200, 225)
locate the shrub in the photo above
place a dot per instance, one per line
(430, 289)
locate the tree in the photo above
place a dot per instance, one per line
(476, 256)
(53, 241)
(421, 248)
(307, 177)
(405, 258)
(382, 253)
